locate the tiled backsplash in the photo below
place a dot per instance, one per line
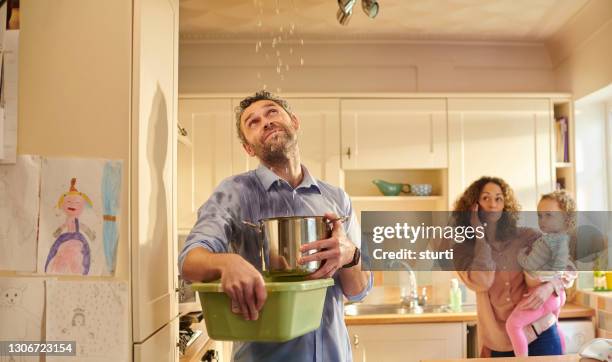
(602, 303)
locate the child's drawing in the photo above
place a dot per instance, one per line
(94, 314)
(19, 204)
(79, 207)
(111, 190)
(21, 312)
(70, 253)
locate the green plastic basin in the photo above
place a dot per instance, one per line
(293, 308)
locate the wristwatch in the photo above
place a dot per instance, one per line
(355, 261)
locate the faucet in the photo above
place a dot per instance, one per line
(408, 287)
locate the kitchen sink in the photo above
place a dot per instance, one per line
(357, 309)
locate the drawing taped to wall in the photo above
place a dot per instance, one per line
(19, 203)
(94, 314)
(21, 312)
(79, 206)
(70, 253)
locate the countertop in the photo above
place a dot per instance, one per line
(570, 310)
(565, 358)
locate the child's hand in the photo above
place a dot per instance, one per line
(536, 297)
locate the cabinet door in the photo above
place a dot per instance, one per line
(507, 138)
(394, 133)
(153, 167)
(318, 138)
(161, 346)
(209, 122)
(407, 342)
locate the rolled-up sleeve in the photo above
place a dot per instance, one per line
(213, 228)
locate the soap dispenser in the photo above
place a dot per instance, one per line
(455, 296)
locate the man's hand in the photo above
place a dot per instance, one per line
(333, 253)
(244, 285)
(536, 297)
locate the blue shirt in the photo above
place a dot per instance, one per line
(259, 194)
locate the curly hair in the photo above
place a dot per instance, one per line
(463, 206)
(258, 96)
(566, 204)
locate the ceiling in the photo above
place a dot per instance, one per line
(455, 20)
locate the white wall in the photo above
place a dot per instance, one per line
(368, 67)
(592, 147)
(581, 51)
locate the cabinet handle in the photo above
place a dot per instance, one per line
(356, 340)
(348, 153)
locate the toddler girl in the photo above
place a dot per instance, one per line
(543, 262)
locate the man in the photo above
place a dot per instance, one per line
(220, 246)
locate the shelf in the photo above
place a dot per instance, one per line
(563, 164)
(396, 198)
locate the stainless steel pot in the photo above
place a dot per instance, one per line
(281, 238)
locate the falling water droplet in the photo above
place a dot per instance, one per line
(286, 67)
(259, 43)
(278, 69)
(265, 86)
(290, 50)
(273, 42)
(302, 41)
(301, 61)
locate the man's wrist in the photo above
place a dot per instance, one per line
(356, 257)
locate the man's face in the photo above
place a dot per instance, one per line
(269, 130)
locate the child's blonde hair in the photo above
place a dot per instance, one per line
(566, 204)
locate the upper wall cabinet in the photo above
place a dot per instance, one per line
(318, 138)
(394, 133)
(507, 138)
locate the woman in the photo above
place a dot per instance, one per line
(489, 267)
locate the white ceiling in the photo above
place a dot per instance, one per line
(482, 20)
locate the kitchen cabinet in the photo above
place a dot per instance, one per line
(218, 153)
(394, 133)
(161, 346)
(508, 138)
(407, 342)
(319, 137)
(116, 64)
(209, 123)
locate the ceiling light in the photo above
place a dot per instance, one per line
(370, 8)
(345, 10)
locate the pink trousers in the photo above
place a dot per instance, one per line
(521, 318)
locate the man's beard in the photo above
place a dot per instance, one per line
(278, 150)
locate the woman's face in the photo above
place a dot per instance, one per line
(491, 202)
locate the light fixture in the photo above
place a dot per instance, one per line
(345, 10)
(370, 8)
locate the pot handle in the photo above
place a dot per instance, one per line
(254, 226)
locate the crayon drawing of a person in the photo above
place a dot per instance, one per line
(70, 253)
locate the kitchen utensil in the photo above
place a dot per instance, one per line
(390, 188)
(420, 189)
(281, 238)
(291, 310)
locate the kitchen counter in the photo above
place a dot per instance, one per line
(570, 310)
(566, 358)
